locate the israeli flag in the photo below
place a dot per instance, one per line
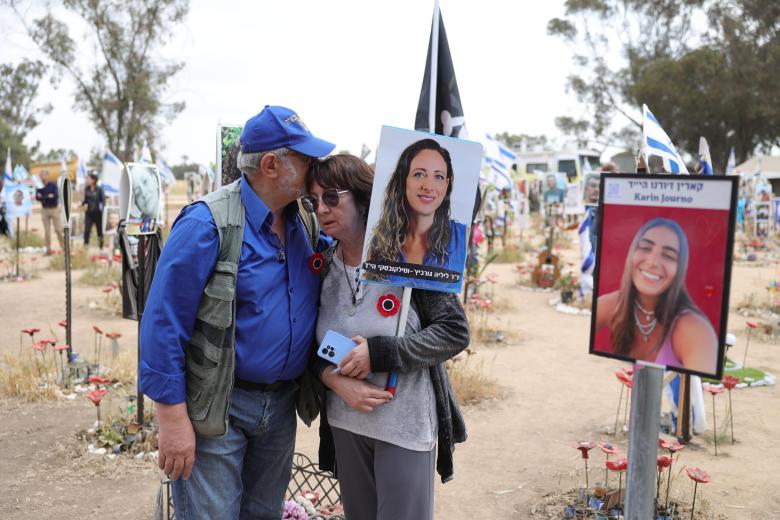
(586, 251)
(20, 173)
(146, 154)
(704, 157)
(166, 174)
(731, 165)
(499, 160)
(111, 174)
(7, 170)
(656, 142)
(81, 174)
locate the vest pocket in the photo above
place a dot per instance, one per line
(216, 306)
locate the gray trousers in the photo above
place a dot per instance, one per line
(383, 481)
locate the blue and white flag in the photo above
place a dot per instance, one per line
(7, 170)
(20, 173)
(111, 175)
(81, 174)
(499, 159)
(166, 174)
(586, 252)
(656, 142)
(146, 154)
(731, 165)
(704, 157)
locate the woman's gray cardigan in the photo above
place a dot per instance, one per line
(444, 333)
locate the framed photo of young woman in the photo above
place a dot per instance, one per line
(422, 203)
(663, 270)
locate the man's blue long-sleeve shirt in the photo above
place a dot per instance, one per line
(276, 301)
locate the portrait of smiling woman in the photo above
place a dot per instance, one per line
(415, 225)
(651, 317)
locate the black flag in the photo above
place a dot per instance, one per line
(449, 111)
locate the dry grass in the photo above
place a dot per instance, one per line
(124, 367)
(511, 254)
(19, 377)
(78, 260)
(99, 274)
(472, 382)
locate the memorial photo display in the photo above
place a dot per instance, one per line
(663, 269)
(140, 198)
(421, 207)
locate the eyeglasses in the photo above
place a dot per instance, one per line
(329, 197)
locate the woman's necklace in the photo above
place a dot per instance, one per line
(354, 292)
(645, 330)
(647, 313)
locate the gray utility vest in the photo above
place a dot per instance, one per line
(211, 355)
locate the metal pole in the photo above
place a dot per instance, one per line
(643, 442)
(434, 69)
(139, 306)
(18, 238)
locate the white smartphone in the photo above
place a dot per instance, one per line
(334, 347)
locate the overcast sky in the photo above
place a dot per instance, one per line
(346, 66)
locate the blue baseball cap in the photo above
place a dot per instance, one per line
(277, 127)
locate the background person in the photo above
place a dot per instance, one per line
(651, 316)
(414, 225)
(50, 211)
(384, 449)
(93, 203)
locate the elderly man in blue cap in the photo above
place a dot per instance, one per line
(227, 329)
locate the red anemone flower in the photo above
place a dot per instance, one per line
(52, 341)
(317, 263)
(388, 305)
(730, 382)
(487, 304)
(117, 258)
(107, 289)
(98, 379)
(714, 390)
(664, 461)
(628, 371)
(620, 464)
(698, 475)
(97, 329)
(61, 347)
(113, 335)
(670, 446)
(751, 324)
(40, 345)
(31, 331)
(622, 376)
(97, 395)
(114, 285)
(609, 448)
(63, 324)
(94, 258)
(585, 447)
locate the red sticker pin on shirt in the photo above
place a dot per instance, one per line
(388, 305)
(317, 263)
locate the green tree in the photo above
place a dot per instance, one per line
(19, 111)
(123, 89)
(522, 141)
(705, 67)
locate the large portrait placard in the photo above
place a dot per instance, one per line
(421, 208)
(140, 198)
(663, 270)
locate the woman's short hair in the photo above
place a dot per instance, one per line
(344, 171)
(390, 230)
(671, 303)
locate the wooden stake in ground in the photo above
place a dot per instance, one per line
(642, 451)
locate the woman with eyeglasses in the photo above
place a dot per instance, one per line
(415, 226)
(384, 445)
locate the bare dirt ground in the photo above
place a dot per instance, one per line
(519, 448)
